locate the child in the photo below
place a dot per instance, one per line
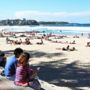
(25, 76)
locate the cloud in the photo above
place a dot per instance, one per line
(50, 15)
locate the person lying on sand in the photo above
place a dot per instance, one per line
(68, 48)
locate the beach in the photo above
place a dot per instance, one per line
(59, 69)
(56, 34)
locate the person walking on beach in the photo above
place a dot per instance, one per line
(10, 67)
(25, 75)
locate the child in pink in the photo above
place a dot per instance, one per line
(25, 76)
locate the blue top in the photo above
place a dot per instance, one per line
(10, 67)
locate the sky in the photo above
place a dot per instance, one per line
(74, 11)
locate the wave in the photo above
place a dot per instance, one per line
(29, 28)
(48, 29)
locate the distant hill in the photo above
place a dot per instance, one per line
(22, 22)
(52, 23)
(63, 24)
(13, 22)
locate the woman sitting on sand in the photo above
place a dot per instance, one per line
(27, 41)
(17, 42)
(25, 76)
(65, 49)
(40, 42)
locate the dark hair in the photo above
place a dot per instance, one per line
(2, 54)
(17, 52)
(25, 55)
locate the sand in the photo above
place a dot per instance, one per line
(59, 70)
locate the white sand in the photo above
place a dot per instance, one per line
(81, 56)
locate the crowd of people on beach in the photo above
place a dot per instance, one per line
(17, 68)
(20, 41)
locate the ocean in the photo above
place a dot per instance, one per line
(59, 30)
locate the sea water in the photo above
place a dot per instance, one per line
(59, 30)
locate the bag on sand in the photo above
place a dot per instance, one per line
(35, 84)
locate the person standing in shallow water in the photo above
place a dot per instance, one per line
(11, 62)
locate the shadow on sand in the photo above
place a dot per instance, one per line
(70, 75)
(41, 54)
(37, 54)
(73, 75)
